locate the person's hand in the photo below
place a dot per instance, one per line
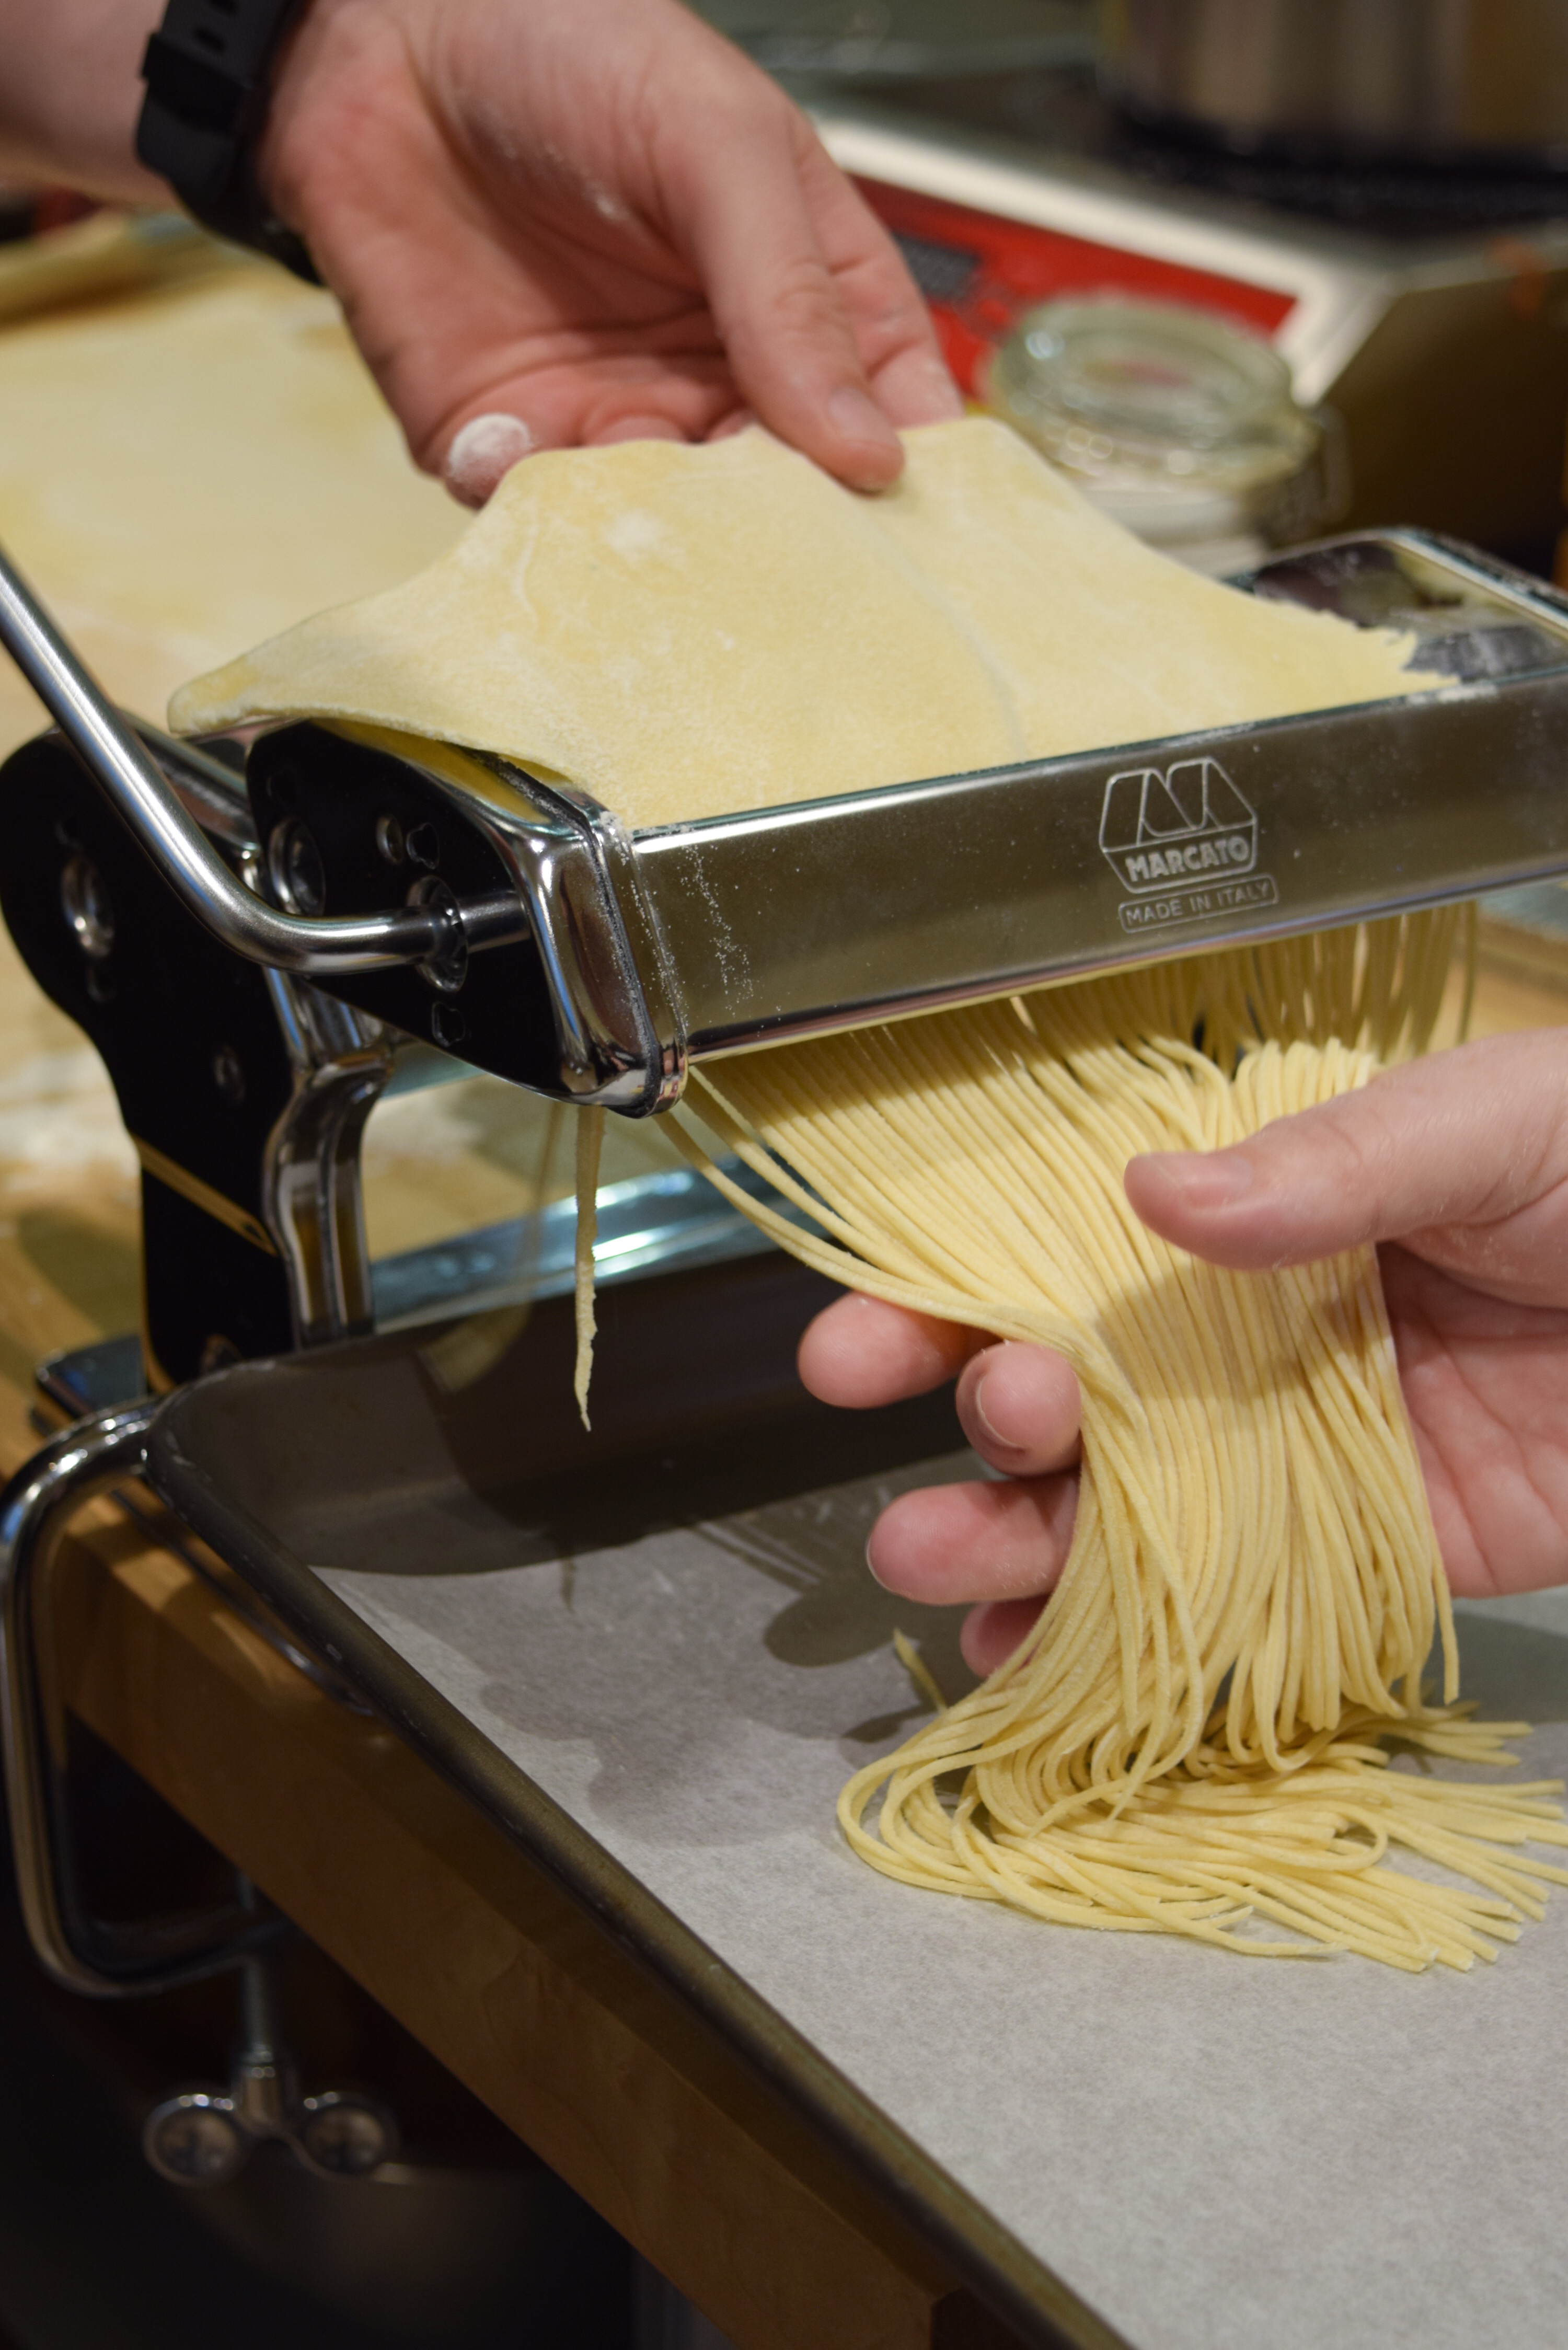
(557, 222)
(1456, 1166)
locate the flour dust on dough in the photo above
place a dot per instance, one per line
(689, 631)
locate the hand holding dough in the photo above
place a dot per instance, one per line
(686, 631)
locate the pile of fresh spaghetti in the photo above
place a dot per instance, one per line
(1195, 1739)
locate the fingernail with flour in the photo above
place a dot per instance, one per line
(487, 448)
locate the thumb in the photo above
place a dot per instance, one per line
(1462, 1157)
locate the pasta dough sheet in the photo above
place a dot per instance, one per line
(691, 631)
(184, 472)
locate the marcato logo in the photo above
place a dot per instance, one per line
(1188, 824)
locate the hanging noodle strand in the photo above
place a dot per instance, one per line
(590, 1144)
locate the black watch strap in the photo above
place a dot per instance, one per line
(208, 88)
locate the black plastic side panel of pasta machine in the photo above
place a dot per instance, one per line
(188, 1035)
(377, 828)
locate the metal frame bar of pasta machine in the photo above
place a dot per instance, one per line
(139, 789)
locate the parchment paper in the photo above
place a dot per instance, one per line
(1216, 2153)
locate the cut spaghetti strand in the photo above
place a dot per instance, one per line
(590, 1142)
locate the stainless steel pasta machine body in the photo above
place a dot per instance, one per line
(654, 948)
(250, 955)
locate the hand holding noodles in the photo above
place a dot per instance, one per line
(1455, 1165)
(1191, 1738)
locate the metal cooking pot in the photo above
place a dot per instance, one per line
(1431, 82)
(903, 40)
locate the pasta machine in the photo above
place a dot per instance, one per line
(255, 934)
(251, 933)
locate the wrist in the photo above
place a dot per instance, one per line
(330, 77)
(69, 95)
(210, 71)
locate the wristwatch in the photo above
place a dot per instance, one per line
(208, 89)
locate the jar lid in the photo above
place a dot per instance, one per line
(1146, 401)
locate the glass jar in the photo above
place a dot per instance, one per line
(1181, 425)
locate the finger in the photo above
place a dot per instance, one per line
(1020, 1408)
(992, 1632)
(735, 421)
(574, 400)
(1486, 1387)
(1463, 1157)
(947, 1543)
(892, 327)
(916, 387)
(858, 1353)
(643, 424)
(778, 308)
(484, 450)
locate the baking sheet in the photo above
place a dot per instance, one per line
(1212, 2152)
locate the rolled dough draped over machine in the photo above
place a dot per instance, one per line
(250, 954)
(252, 933)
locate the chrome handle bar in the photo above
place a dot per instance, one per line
(140, 793)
